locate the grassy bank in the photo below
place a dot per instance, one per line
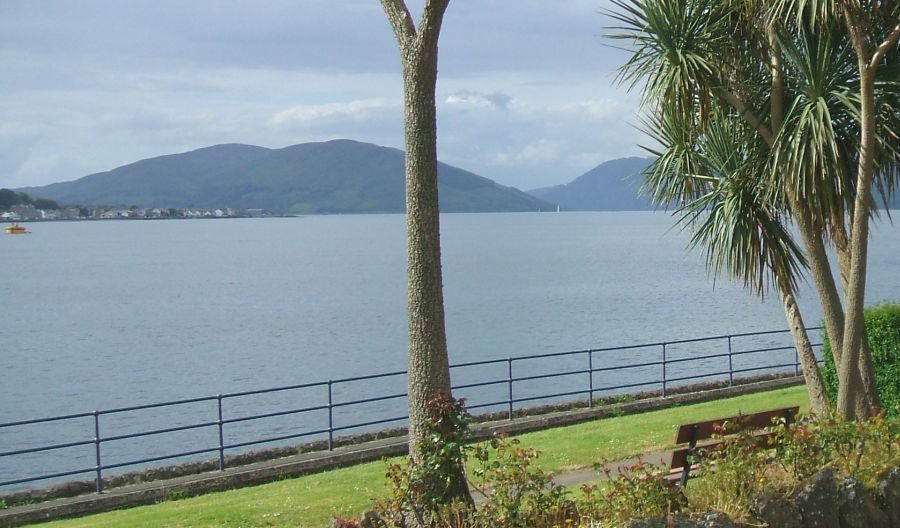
(310, 501)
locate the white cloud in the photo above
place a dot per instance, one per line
(466, 98)
(542, 151)
(359, 110)
(524, 93)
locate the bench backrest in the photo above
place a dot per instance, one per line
(704, 430)
(696, 432)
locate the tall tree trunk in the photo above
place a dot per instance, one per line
(818, 396)
(822, 276)
(866, 368)
(428, 365)
(852, 401)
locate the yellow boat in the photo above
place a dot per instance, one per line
(16, 229)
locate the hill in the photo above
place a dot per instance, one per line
(610, 186)
(339, 176)
(615, 186)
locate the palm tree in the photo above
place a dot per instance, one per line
(710, 174)
(428, 365)
(793, 83)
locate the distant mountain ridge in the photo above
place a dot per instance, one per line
(611, 186)
(338, 176)
(615, 185)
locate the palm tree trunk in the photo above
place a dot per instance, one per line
(851, 396)
(866, 368)
(818, 396)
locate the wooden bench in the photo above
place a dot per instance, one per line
(693, 433)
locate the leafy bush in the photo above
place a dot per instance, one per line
(639, 491)
(883, 330)
(861, 450)
(421, 491)
(516, 493)
(731, 475)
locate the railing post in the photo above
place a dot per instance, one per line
(99, 477)
(221, 436)
(330, 417)
(509, 382)
(730, 365)
(590, 378)
(664, 392)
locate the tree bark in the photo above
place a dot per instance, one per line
(852, 401)
(815, 387)
(866, 368)
(428, 365)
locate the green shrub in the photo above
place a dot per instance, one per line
(637, 492)
(883, 329)
(862, 450)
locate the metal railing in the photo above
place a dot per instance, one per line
(525, 384)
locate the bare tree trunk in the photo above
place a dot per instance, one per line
(823, 278)
(866, 368)
(852, 401)
(818, 396)
(428, 366)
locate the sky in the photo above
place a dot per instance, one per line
(526, 89)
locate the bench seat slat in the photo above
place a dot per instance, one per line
(707, 429)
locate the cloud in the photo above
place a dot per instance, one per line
(542, 151)
(360, 110)
(466, 98)
(524, 92)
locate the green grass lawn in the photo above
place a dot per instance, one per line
(311, 500)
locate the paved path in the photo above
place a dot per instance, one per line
(572, 479)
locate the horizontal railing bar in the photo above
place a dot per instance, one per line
(275, 389)
(50, 419)
(161, 457)
(559, 354)
(623, 347)
(758, 350)
(370, 376)
(697, 358)
(696, 376)
(158, 431)
(550, 375)
(155, 405)
(47, 448)
(47, 476)
(374, 422)
(781, 366)
(479, 363)
(481, 384)
(622, 367)
(274, 414)
(370, 400)
(275, 439)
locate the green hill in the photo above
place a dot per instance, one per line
(610, 186)
(339, 176)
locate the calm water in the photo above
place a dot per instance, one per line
(107, 314)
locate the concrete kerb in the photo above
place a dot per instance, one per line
(313, 462)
